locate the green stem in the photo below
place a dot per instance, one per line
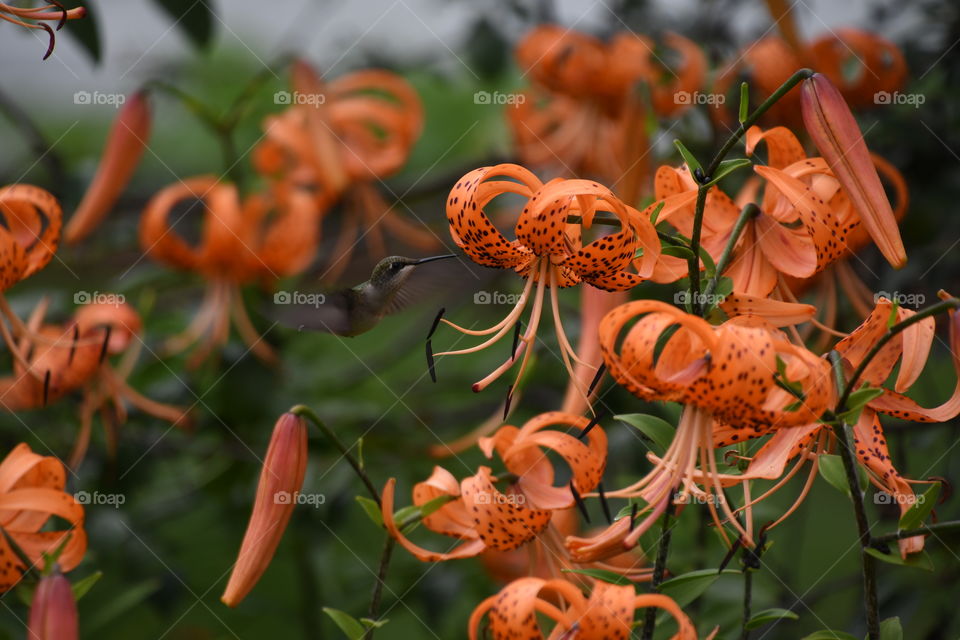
(693, 267)
(659, 569)
(746, 214)
(867, 562)
(747, 597)
(306, 412)
(377, 596)
(932, 310)
(940, 527)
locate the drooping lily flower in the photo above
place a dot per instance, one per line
(607, 614)
(804, 443)
(125, 145)
(549, 250)
(341, 138)
(742, 377)
(53, 610)
(532, 509)
(581, 116)
(37, 18)
(31, 491)
(281, 479)
(259, 239)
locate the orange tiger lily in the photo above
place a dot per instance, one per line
(31, 491)
(607, 614)
(241, 243)
(770, 61)
(41, 15)
(736, 374)
(549, 251)
(580, 116)
(340, 138)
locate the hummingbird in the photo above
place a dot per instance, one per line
(356, 310)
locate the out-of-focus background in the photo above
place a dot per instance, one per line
(166, 551)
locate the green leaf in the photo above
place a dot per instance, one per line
(744, 102)
(85, 32)
(656, 213)
(831, 469)
(857, 401)
(677, 252)
(920, 509)
(726, 168)
(692, 163)
(724, 287)
(827, 634)
(687, 587)
(82, 586)
(371, 508)
(769, 615)
(602, 574)
(662, 341)
(710, 267)
(919, 560)
(431, 506)
(890, 629)
(195, 19)
(350, 626)
(656, 429)
(373, 624)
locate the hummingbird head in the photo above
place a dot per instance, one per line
(394, 270)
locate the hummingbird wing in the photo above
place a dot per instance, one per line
(329, 313)
(429, 282)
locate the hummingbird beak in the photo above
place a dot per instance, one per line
(432, 258)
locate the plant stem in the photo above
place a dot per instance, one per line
(306, 412)
(939, 527)
(747, 596)
(375, 599)
(659, 568)
(746, 214)
(945, 305)
(867, 562)
(693, 267)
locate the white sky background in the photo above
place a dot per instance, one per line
(139, 41)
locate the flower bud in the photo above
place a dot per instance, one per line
(280, 481)
(838, 138)
(53, 612)
(125, 144)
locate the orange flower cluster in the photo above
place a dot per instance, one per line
(339, 139)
